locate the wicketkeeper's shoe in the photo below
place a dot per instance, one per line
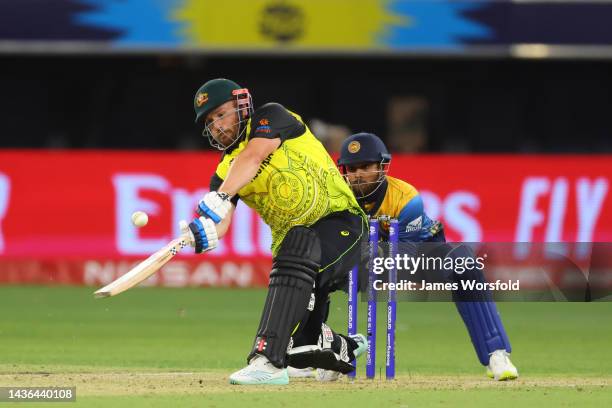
(500, 367)
(362, 346)
(260, 371)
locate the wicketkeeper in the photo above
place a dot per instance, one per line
(364, 161)
(274, 164)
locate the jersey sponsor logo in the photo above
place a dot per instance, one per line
(344, 233)
(263, 129)
(415, 225)
(354, 146)
(201, 99)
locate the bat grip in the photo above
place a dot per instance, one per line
(186, 233)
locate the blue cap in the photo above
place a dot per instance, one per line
(363, 148)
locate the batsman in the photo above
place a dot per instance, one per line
(364, 161)
(273, 163)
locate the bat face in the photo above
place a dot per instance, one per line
(144, 269)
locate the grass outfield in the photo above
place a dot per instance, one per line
(156, 347)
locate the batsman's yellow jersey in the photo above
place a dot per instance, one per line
(298, 184)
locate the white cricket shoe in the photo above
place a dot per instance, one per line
(293, 372)
(500, 367)
(260, 371)
(327, 375)
(330, 375)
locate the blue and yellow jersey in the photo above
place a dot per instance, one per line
(402, 201)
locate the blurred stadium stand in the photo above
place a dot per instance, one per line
(474, 105)
(428, 76)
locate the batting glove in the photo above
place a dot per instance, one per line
(214, 205)
(202, 232)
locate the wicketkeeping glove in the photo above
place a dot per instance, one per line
(214, 205)
(202, 232)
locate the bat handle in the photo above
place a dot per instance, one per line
(186, 233)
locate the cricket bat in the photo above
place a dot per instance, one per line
(144, 269)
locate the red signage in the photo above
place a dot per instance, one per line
(65, 215)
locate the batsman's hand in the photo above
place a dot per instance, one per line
(214, 205)
(202, 233)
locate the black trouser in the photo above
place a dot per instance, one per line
(340, 234)
(310, 261)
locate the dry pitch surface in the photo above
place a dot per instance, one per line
(210, 389)
(203, 383)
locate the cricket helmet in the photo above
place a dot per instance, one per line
(363, 148)
(215, 93)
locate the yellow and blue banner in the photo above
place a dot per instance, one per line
(304, 25)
